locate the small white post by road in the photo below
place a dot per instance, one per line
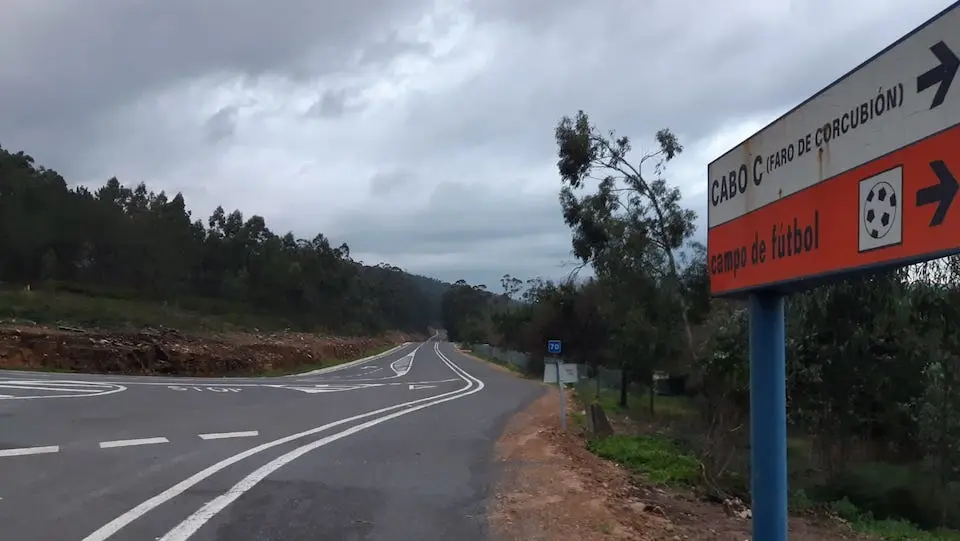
(563, 398)
(555, 348)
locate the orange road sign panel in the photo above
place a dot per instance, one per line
(863, 174)
(894, 210)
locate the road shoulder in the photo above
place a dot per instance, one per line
(552, 488)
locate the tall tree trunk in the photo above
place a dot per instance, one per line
(624, 381)
(653, 391)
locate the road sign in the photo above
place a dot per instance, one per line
(863, 174)
(568, 373)
(554, 347)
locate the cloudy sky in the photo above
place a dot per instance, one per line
(419, 132)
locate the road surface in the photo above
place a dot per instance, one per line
(393, 448)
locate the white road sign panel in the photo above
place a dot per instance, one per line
(898, 97)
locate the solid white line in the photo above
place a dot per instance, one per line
(129, 443)
(224, 435)
(30, 451)
(115, 525)
(38, 388)
(194, 522)
(116, 389)
(352, 364)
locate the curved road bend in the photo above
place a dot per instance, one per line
(395, 448)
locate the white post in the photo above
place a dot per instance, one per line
(563, 404)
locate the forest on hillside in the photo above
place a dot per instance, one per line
(873, 361)
(137, 244)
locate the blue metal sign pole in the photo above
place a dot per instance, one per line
(768, 416)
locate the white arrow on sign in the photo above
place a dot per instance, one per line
(897, 98)
(414, 386)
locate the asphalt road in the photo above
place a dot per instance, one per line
(393, 448)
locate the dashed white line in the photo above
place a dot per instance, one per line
(109, 529)
(225, 435)
(30, 451)
(190, 525)
(128, 443)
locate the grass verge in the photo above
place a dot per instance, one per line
(887, 529)
(60, 307)
(663, 460)
(657, 458)
(508, 365)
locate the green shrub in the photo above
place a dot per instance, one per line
(657, 458)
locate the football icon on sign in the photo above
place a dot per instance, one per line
(880, 212)
(880, 209)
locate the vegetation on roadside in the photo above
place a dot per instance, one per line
(102, 256)
(328, 363)
(873, 361)
(53, 306)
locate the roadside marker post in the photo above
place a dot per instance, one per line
(555, 347)
(861, 176)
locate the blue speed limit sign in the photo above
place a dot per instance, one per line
(554, 347)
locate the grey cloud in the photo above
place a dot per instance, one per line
(640, 66)
(391, 182)
(222, 124)
(456, 216)
(70, 76)
(466, 230)
(64, 68)
(332, 103)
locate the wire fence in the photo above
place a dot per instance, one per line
(591, 379)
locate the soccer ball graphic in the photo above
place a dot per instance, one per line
(880, 210)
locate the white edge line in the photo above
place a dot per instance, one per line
(194, 522)
(30, 451)
(352, 364)
(129, 443)
(224, 435)
(47, 388)
(119, 388)
(212, 382)
(115, 525)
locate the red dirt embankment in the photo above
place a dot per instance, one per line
(171, 352)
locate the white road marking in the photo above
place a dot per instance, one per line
(129, 443)
(194, 522)
(49, 389)
(327, 388)
(358, 362)
(225, 435)
(216, 389)
(58, 388)
(30, 451)
(414, 386)
(115, 525)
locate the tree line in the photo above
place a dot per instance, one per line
(135, 243)
(873, 361)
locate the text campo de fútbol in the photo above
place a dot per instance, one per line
(785, 240)
(735, 182)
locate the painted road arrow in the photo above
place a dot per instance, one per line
(941, 193)
(942, 74)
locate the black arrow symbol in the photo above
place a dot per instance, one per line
(942, 74)
(941, 193)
